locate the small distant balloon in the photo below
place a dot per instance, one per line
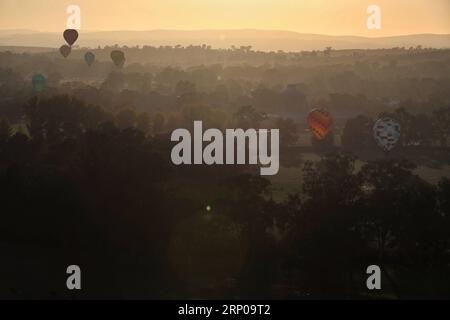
(71, 36)
(386, 132)
(89, 57)
(65, 51)
(118, 57)
(38, 81)
(320, 122)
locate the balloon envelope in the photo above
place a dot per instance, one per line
(386, 132)
(89, 57)
(118, 57)
(320, 122)
(65, 51)
(70, 35)
(38, 81)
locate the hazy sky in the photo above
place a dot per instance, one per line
(307, 16)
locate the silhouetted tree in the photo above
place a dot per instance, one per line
(357, 133)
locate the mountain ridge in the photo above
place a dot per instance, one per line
(264, 40)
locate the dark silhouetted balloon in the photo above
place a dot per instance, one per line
(89, 57)
(38, 81)
(65, 51)
(70, 35)
(320, 122)
(118, 57)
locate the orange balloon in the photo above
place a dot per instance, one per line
(320, 122)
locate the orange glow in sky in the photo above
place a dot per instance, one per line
(306, 16)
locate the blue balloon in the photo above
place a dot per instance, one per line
(386, 132)
(39, 82)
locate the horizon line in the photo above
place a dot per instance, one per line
(237, 29)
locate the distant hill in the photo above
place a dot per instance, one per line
(18, 49)
(265, 40)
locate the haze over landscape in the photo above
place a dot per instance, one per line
(98, 169)
(265, 40)
(289, 26)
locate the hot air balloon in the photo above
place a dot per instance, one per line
(38, 81)
(386, 132)
(320, 123)
(70, 35)
(118, 57)
(65, 51)
(89, 57)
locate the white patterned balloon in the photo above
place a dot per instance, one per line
(386, 132)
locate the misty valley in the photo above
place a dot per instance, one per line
(189, 171)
